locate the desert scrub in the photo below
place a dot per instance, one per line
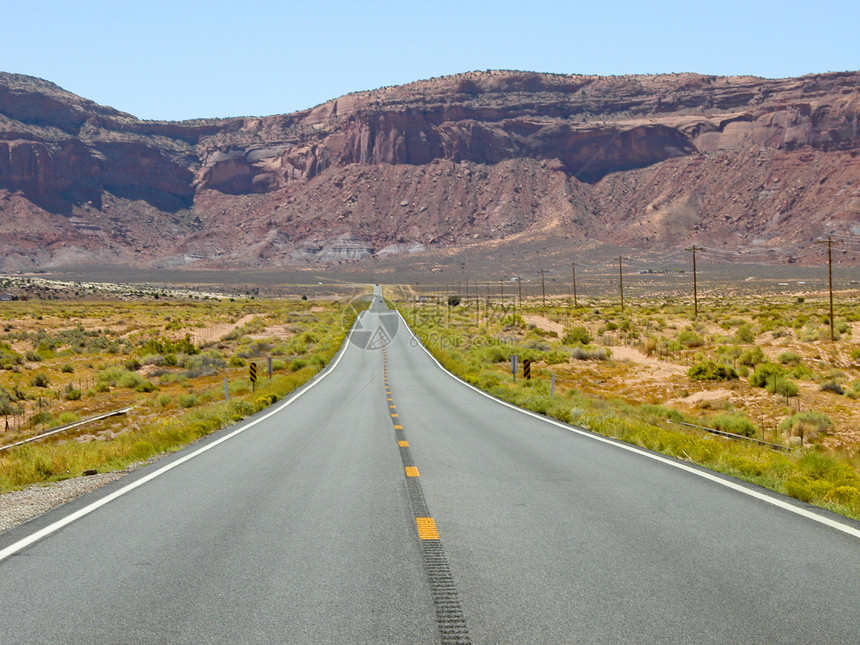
(781, 386)
(709, 370)
(689, 338)
(577, 336)
(119, 377)
(766, 373)
(590, 353)
(808, 425)
(734, 423)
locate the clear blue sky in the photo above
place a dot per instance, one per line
(177, 60)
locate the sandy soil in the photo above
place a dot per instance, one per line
(658, 368)
(217, 330)
(544, 323)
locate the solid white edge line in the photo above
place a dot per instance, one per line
(291, 398)
(839, 526)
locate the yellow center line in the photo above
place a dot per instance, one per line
(394, 415)
(403, 444)
(426, 528)
(411, 471)
(396, 427)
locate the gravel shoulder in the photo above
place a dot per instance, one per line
(19, 506)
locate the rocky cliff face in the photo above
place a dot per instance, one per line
(648, 162)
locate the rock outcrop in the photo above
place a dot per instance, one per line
(649, 162)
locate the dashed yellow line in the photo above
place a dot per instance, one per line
(426, 528)
(403, 444)
(395, 415)
(397, 427)
(411, 471)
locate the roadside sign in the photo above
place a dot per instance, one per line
(269, 363)
(527, 368)
(514, 366)
(252, 372)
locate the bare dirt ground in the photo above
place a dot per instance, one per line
(215, 331)
(655, 367)
(544, 323)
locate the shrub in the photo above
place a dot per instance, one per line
(555, 357)
(240, 408)
(164, 400)
(40, 380)
(118, 377)
(146, 386)
(745, 334)
(708, 370)
(735, 423)
(833, 386)
(576, 336)
(72, 394)
(41, 417)
(188, 400)
(67, 369)
(764, 373)
(298, 364)
(237, 361)
(32, 356)
(790, 358)
(587, 353)
(132, 365)
(782, 386)
(752, 357)
(494, 354)
(808, 424)
(689, 338)
(800, 372)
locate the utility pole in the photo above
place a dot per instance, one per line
(695, 248)
(543, 286)
(573, 267)
(520, 287)
(829, 244)
(621, 280)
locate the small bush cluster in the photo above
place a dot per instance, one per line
(735, 423)
(708, 370)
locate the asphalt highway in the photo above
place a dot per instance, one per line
(390, 503)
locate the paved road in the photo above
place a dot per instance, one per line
(302, 529)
